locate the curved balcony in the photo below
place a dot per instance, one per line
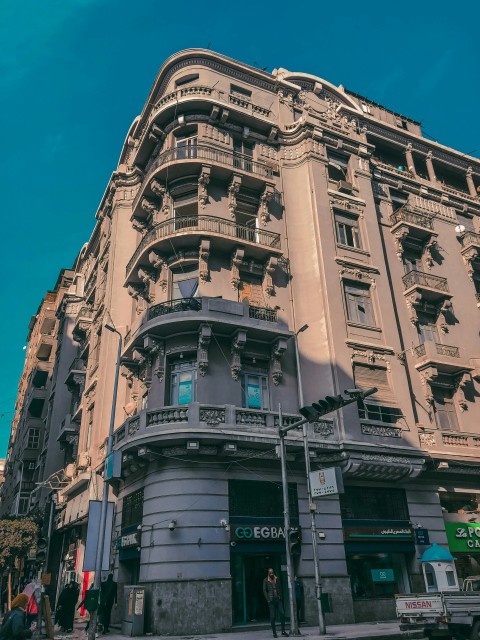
(160, 320)
(188, 230)
(178, 162)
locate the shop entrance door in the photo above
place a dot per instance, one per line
(248, 572)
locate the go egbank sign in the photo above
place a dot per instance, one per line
(463, 536)
(257, 533)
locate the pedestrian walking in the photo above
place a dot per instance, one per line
(299, 594)
(14, 625)
(65, 611)
(108, 598)
(273, 596)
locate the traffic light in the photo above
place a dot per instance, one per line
(41, 555)
(295, 540)
(332, 403)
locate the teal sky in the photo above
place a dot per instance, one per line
(74, 74)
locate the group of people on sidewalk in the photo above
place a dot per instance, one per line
(19, 622)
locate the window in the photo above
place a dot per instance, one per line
(185, 210)
(373, 503)
(243, 155)
(183, 381)
(381, 405)
(132, 510)
(366, 108)
(364, 570)
(359, 303)
(445, 414)
(398, 199)
(90, 414)
(191, 77)
(337, 166)
(255, 388)
(412, 261)
(260, 499)
(347, 230)
(33, 438)
(185, 282)
(187, 144)
(427, 328)
(23, 502)
(420, 166)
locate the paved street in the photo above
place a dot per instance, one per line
(378, 631)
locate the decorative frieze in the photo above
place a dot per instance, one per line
(380, 430)
(427, 439)
(212, 416)
(323, 428)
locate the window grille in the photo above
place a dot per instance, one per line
(260, 499)
(132, 511)
(373, 503)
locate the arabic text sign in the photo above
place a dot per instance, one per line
(326, 482)
(389, 534)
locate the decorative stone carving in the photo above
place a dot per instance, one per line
(161, 191)
(469, 258)
(431, 246)
(278, 349)
(146, 275)
(203, 255)
(379, 430)
(427, 439)
(160, 263)
(323, 428)
(237, 259)
(265, 198)
(238, 345)
(233, 189)
(149, 206)
(203, 181)
(127, 373)
(204, 337)
(212, 416)
(156, 259)
(462, 383)
(270, 267)
(414, 301)
(400, 236)
(140, 225)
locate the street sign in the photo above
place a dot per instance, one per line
(326, 482)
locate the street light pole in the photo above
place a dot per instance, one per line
(286, 520)
(311, 504)
(103, 514)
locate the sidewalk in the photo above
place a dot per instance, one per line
(375, 630)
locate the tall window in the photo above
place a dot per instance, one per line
(337, 167)
(359, 303)
(347, 230)
(33, 438)
(381, 406)
(427, 328)
(132, 509)
(185, 282)
(445, 414)
(187, 144)
(255, 388)
(243, 155)
(398, 199)
(412, 261)
(183, 382)
(185, 209)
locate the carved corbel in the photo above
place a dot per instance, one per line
(161, 192)
(159, 263)
(156, 260)
(270, 267)
(137, 291)
(156, 133)
(203, 180)
(413, 301)
(265, 198)
(140, 225)
(149, 206)
(128, 374)
(446, 308)
(237, 260)
(204, 337)
(147, 276)
(469, 258)
(238, 345)
(233, 189)
(278, 349)
(462, 382)
(400, 236)
(203, 255)
(431, 246)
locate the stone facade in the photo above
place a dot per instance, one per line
(244, 206)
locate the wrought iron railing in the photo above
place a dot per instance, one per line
(407, 214)
(419, 350)
(470, 237)
(205, 224)
(174, 306)
(211, 154)
(262, 313)
(425, 280)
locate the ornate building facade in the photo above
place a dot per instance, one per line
(246, 205)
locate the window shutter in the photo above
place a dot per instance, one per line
(366, 377)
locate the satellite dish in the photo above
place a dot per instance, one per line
(459, 228)
(129, 408)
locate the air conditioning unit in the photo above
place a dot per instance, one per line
(69, 471)
(83, 461)
(344, 186)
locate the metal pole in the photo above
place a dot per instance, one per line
(286, 519)
(103, 514)
(311, 504)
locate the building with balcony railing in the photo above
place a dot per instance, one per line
(246, 205)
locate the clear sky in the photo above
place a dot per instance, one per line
(74, 74)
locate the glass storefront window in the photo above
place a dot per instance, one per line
(377, 575)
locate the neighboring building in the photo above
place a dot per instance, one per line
(244, 206)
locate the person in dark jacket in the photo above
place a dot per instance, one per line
(299, 597)
(14, 625)
(273, 596)
(67, 601)
(108, 597)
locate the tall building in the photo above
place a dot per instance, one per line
(245, 206)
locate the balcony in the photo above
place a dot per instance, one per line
(426, 286)
(45, 347)
(68, 430)
(188, 230)
(416, 223)
(170, 424)
(76, 374)
(82, 323)
(225, 316)
(443, 358)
